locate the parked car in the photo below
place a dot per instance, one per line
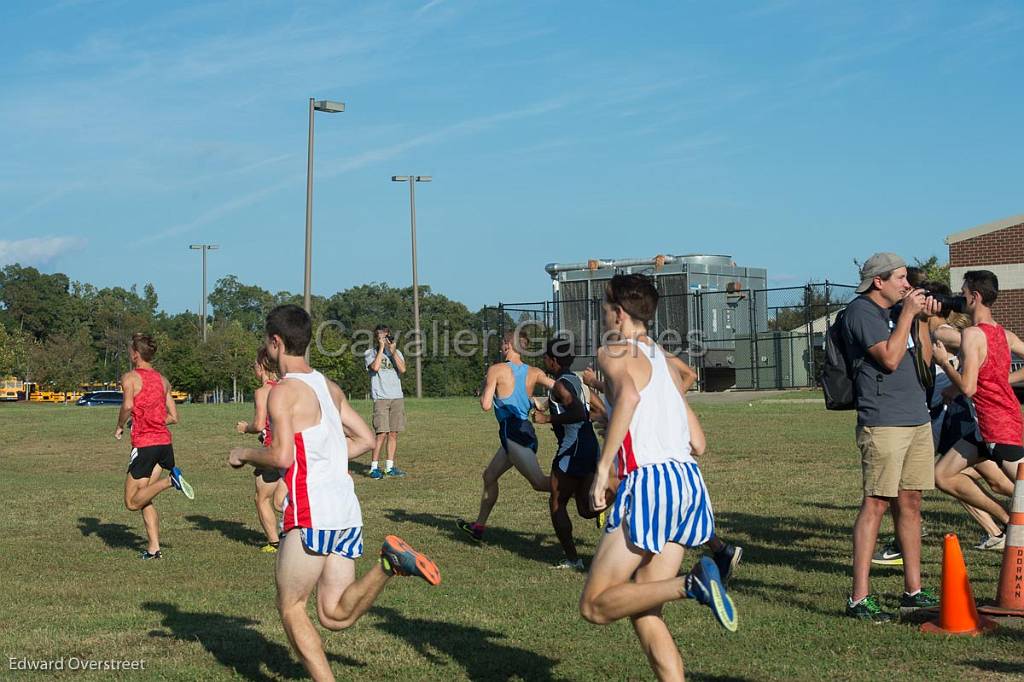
(101, 398)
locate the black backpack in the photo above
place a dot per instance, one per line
(837, 371)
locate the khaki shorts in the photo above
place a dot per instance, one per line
(895, 458)
(389, 415)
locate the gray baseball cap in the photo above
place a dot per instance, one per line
(878, 264)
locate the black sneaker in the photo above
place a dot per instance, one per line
(727, 559)
(924, 599)
(475, 532)
(146, 554)
(867, 609)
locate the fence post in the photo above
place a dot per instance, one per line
(808, 313)
(755, 359)
(698, 300)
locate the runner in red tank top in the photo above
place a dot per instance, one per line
(984, 376)
(270, 487)
(148, 402)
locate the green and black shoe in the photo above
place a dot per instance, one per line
(867, 609)
(922, 599)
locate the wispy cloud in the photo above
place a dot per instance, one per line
(48, 198)
(362, 160)
(429, 6)
(37, 250)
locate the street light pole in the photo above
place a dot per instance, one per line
(329, 107)
(202, 311)
(412, 180)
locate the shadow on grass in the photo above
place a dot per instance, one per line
(234, 643)
(232, 530)
(527, 545)
(997, 666)
(476, 650)
(832, 507)
(358, 468)
(778, 540)
(114, 535)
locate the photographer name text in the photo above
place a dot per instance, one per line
(73, 663)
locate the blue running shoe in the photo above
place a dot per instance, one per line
(147, 555)
(394, 472)
(704, 584)
(376, 474)
(181, 484)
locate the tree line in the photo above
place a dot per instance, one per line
(64, 334)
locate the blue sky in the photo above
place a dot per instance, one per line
(793, 136)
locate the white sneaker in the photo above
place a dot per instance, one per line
(992, 542)
(575, 565)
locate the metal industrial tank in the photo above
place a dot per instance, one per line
(701, 309)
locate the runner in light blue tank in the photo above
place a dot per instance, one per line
(507, 388)
(513, 412)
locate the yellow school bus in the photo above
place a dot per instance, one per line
(11, 389)
(179, 396)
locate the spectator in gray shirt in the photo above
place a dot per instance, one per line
(385, 363)
(893, 428)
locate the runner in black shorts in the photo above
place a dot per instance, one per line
(150, 407)
(143, 460)
(572, 470)
(270, 489)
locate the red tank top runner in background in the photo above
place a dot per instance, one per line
(149, 411)
(268, 436)
(999, 417)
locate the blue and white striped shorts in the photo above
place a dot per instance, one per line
(347, 543)
(664, 502)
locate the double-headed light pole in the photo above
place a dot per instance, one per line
(326, 106)
(412, 180)
(202, 311)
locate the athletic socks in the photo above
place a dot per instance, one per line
(389, 465)
(374, 466)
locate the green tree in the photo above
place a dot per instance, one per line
(228, 356)
(242, 303)
(331, 353)
(33, 302)
(934, 270)
(64, 361)
(115, 314)
(182, 364)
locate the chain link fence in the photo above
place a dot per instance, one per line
(742, 338)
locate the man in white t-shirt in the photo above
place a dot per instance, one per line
(386, 364)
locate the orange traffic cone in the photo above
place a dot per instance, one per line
(958, 615)
(1010, 596)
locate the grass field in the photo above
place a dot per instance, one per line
(784, 478)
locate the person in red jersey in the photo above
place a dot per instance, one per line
(149, 405)
(983, 377)
(270, 487)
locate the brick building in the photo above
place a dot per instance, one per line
(998, 247)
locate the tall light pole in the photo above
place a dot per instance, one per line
(331, 108)
(412, 180)
(202, 311)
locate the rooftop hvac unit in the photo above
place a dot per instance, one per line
(720, 312)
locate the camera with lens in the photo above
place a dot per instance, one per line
(949, 303)
(940, 293)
